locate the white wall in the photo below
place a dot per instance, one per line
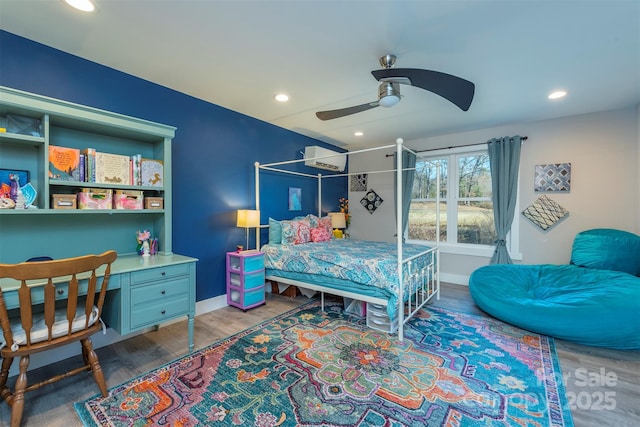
(604, 152)
(638, 168)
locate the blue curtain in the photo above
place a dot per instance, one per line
(408, 162)
(504, 158)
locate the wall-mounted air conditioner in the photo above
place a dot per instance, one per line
(322, 158)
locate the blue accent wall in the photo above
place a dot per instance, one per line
(213, 152)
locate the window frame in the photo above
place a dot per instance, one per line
(469, 249)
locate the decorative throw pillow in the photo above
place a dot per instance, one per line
(325, 222)
(320, 234)
(313, 220)
(295, 232)
(275, 232)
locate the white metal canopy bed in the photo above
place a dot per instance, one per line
(412, 271)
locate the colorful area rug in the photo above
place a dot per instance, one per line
(314, 368)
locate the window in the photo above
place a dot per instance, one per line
(466, 208)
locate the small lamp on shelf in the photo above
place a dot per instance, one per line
(248, 219)
(338, 223)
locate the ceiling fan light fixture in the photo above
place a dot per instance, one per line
(388, 94)
(83, 5)
(557, 94)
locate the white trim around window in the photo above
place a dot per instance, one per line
(513, 239)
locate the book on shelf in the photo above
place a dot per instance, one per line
(89, 164)
(64, 163)
(83, 168)
(136, 178)
(152, 172)
(112, 168)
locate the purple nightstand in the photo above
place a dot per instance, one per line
(245, 279)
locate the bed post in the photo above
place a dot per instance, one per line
(319, 195)
(257, 189)
(399, 233)
(437, 273)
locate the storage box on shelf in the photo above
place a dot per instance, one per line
(95, 198)
(245, 279)
(153, 203)
(63, 201)
(128, 199)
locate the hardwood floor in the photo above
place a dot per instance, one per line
(602, 385)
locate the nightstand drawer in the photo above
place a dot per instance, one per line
(169, 289)
(159, 311)
(246, 299)
(246, 281)
(246, 263)
(160, 273)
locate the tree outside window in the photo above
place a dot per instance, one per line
(466, 208)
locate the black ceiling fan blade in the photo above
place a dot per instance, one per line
(334, 114)
(455, 89)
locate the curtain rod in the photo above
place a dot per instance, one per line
(524, 138)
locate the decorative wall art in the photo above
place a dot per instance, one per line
(371, 201)
(295, 199)
(553, 177)
(545, 213)
(359, 182)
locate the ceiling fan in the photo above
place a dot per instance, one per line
(454, 89)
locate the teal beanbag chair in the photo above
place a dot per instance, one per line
(594, 301)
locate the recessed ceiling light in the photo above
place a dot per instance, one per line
(557, 94)
(281, 97)
(358, 133)
(83, 5)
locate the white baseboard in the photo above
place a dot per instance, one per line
(205, 306)
(456, 279)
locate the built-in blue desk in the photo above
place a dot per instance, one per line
(142, 292)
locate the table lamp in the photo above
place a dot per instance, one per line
(339, 223)
(248, 219)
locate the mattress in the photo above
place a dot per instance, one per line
(368, 268)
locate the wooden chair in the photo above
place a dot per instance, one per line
(60, 302)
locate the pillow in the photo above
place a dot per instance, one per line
(325, 222)
(275, 232)
(313, 220)
(320, 234)
(607, 249)
(295, 232)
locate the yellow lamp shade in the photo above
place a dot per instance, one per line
(248, 218)
(338, 220)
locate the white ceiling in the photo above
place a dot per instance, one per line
(239, 54)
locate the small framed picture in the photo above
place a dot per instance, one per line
(295, 199)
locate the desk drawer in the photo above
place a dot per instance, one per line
(165, 290)
(159, 273)
(159, 311)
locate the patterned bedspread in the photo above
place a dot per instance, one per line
(362, 262)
